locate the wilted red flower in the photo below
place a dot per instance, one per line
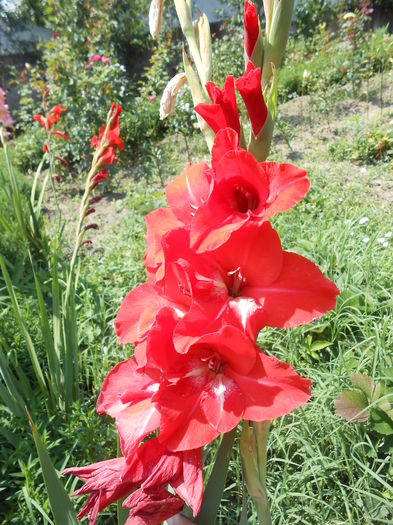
(152, 467)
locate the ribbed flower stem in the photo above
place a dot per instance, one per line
(253, 448)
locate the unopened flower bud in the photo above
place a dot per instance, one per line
(155, 17)
(167, 103)
(276, 40)
(86, 241)
(90, 211)
(92, 226)
(96, 199)
(205, 46)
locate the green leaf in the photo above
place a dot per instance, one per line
(319, 345)
(381, 422)
(365, 383)
(351, 405)
(216, 484)
(61, 505)
(19, 319)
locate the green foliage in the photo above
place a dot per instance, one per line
(12, 244)
(309, 14)
(312, 66)
(368, 145)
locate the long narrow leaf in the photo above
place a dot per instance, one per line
(11, 384)
(19, 319)
(61, 505)
(53, 362)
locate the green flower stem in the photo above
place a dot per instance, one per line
(253, 446)
(79, 234)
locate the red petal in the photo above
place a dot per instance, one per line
(226, 140)
(137, 313)
(184, 425)
(288, 184)
(271, 390)
(299, 295)
(188, 191)
(134, 423)
(213, 114)
(190, 486)
(158, 223)
(223, 111)
(42, 120)
(61, 135)
(255, 250)
(123, 381)
(249, 87)
(222, 403)
(151, 507)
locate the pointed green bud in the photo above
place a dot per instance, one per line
(198, 96)
(277, 37)
(205, 47)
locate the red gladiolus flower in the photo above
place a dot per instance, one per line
(222, 379)
(250, 89)
(112, 139)
(222, 113)
(243, 189)
(248, 282)
(251, 27)
(53, 117)
(62, 160)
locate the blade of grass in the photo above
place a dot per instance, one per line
(19, 319)
(61, 505)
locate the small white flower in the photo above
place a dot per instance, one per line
(340, 199)
(363, 170)
(385, 244)
(381, 239)
(363, 220)
(366, 239)
(122, 68)
(387, 235)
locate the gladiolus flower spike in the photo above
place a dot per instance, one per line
(217, 275)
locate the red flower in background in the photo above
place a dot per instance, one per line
(106, 145)
(53, 117)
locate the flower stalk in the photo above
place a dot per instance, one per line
(253, 453)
